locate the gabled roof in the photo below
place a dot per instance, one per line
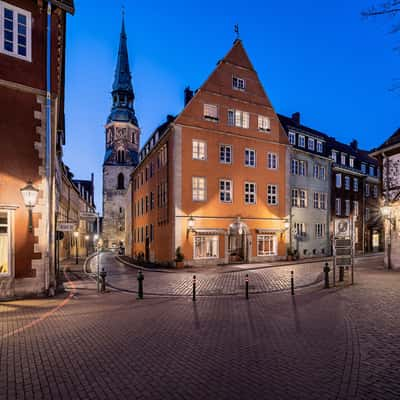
(66, 5)
(393, 140)
(361, 154)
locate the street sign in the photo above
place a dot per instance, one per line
(66, 226)
(342, 227)
(88, 216)
(343, 251)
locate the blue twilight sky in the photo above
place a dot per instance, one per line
(317, 57)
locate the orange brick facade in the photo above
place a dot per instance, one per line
(204, 168)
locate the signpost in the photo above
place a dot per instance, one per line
(66, 226)
(343, 255)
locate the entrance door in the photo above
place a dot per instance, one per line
(237, 247)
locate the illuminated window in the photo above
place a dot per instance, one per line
(199, 150)
(238, 118)
(267, 245)
(5, 243)
(210, 111)
(206, 246)
(198, 188)
(264, 124)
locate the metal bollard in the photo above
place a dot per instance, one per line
(341, 274)
(292, 281)
(103, 275)
(247, 286)
(140, 279)
(194, 287)
(326, 273)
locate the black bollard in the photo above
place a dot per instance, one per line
(326, 273)
(292, 282)
(103, 275)
(247, 286)
(194, 287)
(341, 274)
(140, 279)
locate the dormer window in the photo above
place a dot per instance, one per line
(292, 138)
(302, 141)
(363, 168)
(351, 162)
(371, 170)
(311, 144)
(319, 147)
(238, 83)
(343, 159)
(334, 156)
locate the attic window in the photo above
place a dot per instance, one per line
(238, 83)
(210, 112)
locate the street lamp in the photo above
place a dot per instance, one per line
(190, 225)
(386, 211)
(87, 245)
(30, 196)
(76, 235)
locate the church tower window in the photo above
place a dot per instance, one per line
(121, 181)
(121, 156)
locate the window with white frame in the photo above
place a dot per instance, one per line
(302, 141)
(316, 200)
(206, 246)
(225, 154)
(371, 170)
(363, 168)
(249, 157)
(264, 123)
(322, 173)
(367, 190)
(299, 198)
(198, 188)
(303, 198)
(351, 162)
(338, 180)
(238, 118)
(272, 161)
(355, 208)
(199, 149)
(249, 193)
(319, 172)
(272, 195)
(5, 243)
(334, 156)
(320, 230)
(15, 31)
(347, 182)
(300, 229)
(267, 245)
(338, 206)
(295, 197)
(238, 83)
(320, 200)
(355, 184)
(311, 144)
(319, 147)
(210, 111)
(347, 207)
(225, 190)
(299, 167)
(343, 159)
(292, 138)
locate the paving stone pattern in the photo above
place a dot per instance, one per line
(319, 344)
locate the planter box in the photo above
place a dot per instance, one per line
(179, 264)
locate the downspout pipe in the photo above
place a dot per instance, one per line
(48, 144)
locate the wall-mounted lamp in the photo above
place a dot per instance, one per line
(30, 196)
(190, 226)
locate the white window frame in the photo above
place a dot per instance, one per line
(264, 123)
(356, 208)
(205, 238)
(367, 190)
(343, 159)
(303, 198)
(196, 188)
(239, 119)
(320, 231)
(238, 83)
(210, 112)
(272, 161)
(267, 238)
(295, 197)
(250, 151)
(351, 161)
(272, 194)
(292, 137)
(347, 207)
(338, 180)
(355, 184)
(224, 191)
(334, 156)
(302, 141)
(363, 168)
(223, 147)
(371, 170)
(28, 16)
(10, 212)
(319, 147)
(250, 193)
(311, 141)
(196, 150)
(347, 183)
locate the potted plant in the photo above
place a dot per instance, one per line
(289, 254)
(179, 257)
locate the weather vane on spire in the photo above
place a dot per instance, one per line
(237, 31)
(123, 11)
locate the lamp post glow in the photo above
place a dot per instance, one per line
(190, 225)
(30, 196)
(76, 235)
(87, 244)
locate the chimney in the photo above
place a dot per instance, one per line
(170, 118)
(188, 94)
(296, 118)
(354, 144)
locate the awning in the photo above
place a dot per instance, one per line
(269, 231)
(204, 231)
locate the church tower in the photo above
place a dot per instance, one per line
(122, 146)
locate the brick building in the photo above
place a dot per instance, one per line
(32, 133)
(213, 181)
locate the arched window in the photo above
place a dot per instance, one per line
(121, 182)
(121, 156)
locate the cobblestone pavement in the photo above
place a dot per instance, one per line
(319, 344)
(210, 281)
